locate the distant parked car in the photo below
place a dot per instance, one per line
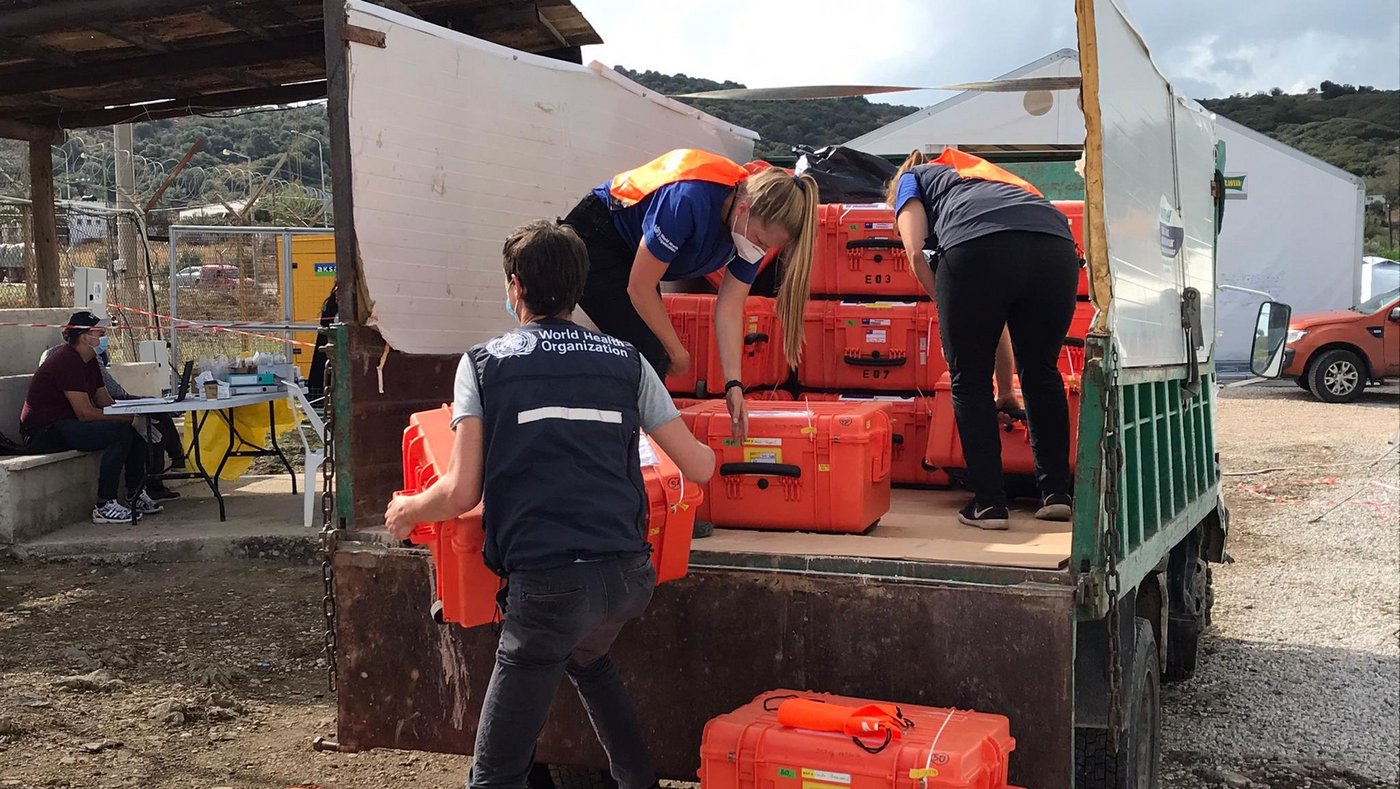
(1336, 354)
(208, 276)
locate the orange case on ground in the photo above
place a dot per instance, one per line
(942, 749)
(858, 253)
(693, 316)
(803, 467)
(945, 447)
(910, 420)
(875, 346)
(465, 586)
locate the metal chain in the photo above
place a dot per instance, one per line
(1113, 471)
(328, 527)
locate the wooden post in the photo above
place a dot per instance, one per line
(44, 224)
(347, 279)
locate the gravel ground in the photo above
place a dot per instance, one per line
(208, 675)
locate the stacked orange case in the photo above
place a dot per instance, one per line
(693, 317)
(945, 447)
(465, 586)
(803, 467)
(942, 749)
(876, 346)
(911, 418)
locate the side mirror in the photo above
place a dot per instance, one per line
(1395, 315)
(1270, 332)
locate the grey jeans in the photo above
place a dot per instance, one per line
(562, 622)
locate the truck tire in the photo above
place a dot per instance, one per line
(1337, 376)
(1184, 632)
(566, 777)
(1135, 765)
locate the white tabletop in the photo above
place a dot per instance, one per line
(154, 405)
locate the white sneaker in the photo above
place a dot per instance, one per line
(146, 505)
(112, 512)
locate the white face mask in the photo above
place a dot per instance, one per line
(746, 249)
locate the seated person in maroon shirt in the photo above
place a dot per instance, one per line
(63, 410)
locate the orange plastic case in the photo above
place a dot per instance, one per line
(858, 253)
(939, 749)
(1074, 211)
(821, 467)
(945, 448)
(465, 586)
(876, 346)
(910, 421)
(693, 316)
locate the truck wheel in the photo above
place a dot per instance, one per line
(1135, 764)
(566, 777)
(1184, 632)
(1338, 376)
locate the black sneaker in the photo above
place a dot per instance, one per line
(701, 530)
(1056, 507)
(994, 517)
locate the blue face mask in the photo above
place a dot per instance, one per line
(102, 344)
(510, 310)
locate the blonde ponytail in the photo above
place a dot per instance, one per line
(789, 202)
(914, 159)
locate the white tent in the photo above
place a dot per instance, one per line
(1293, 223)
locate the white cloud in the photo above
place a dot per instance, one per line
(1208, 47)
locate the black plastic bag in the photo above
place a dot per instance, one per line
(844, 175)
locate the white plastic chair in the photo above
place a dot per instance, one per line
(314, 459)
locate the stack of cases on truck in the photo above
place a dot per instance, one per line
(942, 749)
(466, 588)
(693, 317)
(871, 333)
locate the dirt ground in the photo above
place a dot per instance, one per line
(209, 675)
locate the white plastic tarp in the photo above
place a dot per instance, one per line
(456, 141)
(1158, 156)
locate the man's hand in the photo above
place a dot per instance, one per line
(680, 361)
(400, 517)
(738, 413)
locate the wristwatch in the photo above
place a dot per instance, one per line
(730, 384)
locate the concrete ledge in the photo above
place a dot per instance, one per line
(41, 493)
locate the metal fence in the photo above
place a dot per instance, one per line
(230, 290)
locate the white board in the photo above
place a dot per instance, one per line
(456, 141)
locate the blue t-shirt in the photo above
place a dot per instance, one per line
(683, 226)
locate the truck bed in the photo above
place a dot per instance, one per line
(922, 526)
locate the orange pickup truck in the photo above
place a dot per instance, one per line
(1336, 354)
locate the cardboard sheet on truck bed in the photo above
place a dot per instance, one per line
(922, 526)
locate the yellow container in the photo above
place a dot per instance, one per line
(313, 279)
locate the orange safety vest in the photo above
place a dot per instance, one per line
(870, 720)
(682, 164)
(969, 166)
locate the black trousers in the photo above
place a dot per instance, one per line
(1025, 282)
(605, 296)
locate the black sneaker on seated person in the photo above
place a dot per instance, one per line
(1056, 507)
(161, 492)
(992, 517)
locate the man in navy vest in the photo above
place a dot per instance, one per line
(547, 420)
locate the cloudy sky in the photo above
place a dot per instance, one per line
(1209, 48)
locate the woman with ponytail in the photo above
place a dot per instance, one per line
(684, 215)
(1003, 273)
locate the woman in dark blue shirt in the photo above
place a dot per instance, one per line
(1003, 262)
(685, 215)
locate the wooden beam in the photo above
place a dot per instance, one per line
(33, 49)
(170, 179)
(347, 246)
(45, 224)
(238, 20)
(33, 132)
(129, 34)
(191, 105)
(157, 66)
(398, 5)
(64, 14)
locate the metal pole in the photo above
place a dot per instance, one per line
(174, 342)
(287, 289)
(321, 159)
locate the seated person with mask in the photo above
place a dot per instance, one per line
(63, 410)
